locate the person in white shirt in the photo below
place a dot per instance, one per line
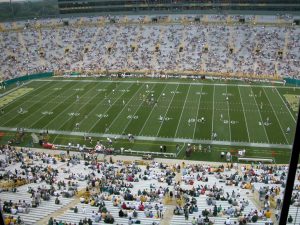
(228, 221)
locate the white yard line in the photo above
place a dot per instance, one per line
(151, 111)
(120, 113)
(61, 112)
(87, 102)
(129, 121)
(195, 125)
(244, 114)
(260, 117)
(180, 149)
(14, 89)
(276, 117)
(96, 106)
(182, 110)
(108, 109)
(229, 120)
(17, 107)
(213, 113)
(286, 106)
(167, 111)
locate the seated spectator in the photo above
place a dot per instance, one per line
(268, 214)
(121, 213)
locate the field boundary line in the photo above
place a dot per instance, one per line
(182, 111)
(147, 138)
(125, 106)
(244, 114)
(152, 110)
(276, 117)
(195, 125)
(169, 82)
(167, 110)
(260, 116)
(286, 106)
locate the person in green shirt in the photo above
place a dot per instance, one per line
(50, 222)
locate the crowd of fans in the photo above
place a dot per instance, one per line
(120, 184)
(129, 44)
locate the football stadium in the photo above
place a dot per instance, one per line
(154, 112)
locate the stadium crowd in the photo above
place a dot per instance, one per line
(100, 44)
(127, 193)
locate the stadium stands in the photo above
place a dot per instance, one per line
(97, 188)
(219, 45)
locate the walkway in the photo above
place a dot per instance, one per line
(150, 138)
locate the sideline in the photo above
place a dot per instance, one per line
(149, 138)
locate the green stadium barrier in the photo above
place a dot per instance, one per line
(27, 78)
(292, 81)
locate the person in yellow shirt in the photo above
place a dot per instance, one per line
(7, 221)
(268, 214)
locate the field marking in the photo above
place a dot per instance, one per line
(6, 93)
(195, 125)
(29, 115)
(286, 105)
(178, 153)
(96, 106)
(170, 82)
(61, 112)
(213, 113)
(276, 117)
(147, 138)
(136, 112)
(229, 120)
(244, 114)
(91, 99)
(15, 88)
(108, 108)
(152, 111)
(260, 117)
(120, 112)
(167, 111)
(182, 111)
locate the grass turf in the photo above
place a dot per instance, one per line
(117, 107)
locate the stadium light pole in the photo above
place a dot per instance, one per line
(1, 216)
(291, 176)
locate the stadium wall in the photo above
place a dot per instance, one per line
(27, 78)
(292, 81)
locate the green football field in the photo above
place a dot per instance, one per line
(154, 110)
